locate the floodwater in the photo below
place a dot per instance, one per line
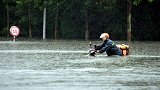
(66, 65)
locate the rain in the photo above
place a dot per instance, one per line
(57, 64)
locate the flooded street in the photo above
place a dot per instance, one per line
(66, 65)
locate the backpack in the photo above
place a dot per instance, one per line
(124, 48)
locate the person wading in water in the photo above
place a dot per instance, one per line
(108, 46)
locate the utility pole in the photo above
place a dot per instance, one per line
(44, 23)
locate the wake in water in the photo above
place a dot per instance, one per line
(40, 51)
(64, 51)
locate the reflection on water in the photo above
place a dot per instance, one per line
(65, 65)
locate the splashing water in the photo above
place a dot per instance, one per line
(62, 65)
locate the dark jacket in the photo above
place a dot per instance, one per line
(109, 47)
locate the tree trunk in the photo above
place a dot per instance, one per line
(129, 21)
(56, 29)
(8, 20)
(86, 26)
(29, 20)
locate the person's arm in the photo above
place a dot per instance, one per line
(106, 47)
(100, 47)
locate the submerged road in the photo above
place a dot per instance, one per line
(58, 65)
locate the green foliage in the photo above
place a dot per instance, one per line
(3, 17)
(136, 2)
(104, 16)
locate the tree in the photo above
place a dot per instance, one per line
(86, 11)
(142, 19)
(29, 18)
(129, 21)
(3, 18)
(56, 27)
(9, 5)
(83, 19)
(25, 7)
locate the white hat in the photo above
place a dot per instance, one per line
(102, 35)
(106, 35)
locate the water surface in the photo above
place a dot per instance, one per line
(65, 65)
